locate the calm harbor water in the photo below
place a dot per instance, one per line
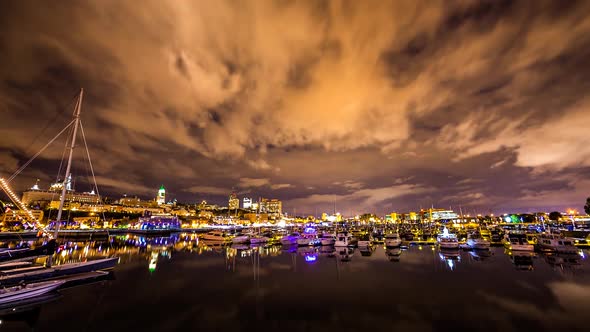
(173, 284)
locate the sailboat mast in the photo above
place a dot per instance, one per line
(69, 166)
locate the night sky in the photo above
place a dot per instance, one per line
(365, 105)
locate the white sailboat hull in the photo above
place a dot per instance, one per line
(32, 290)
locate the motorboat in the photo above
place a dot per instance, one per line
(366, 250)
(290, 239)
(477, 241)
(328, 239)
(21, 292)
(241, 239)
(447, 240)
(308, 239)
(345, 240)
(258, 239)
(517, 242)
(556, 243)
(496, 238)
(392, 240)
(216, 236)
(364, 241)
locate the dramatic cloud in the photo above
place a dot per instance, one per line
(382, 105)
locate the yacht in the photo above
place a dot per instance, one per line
(556, 243)
(476, 241)
(215, 236)
(290, 239)
(496, 238)
(447, 240)
(328, 239)
(308, 239)
(258, 239)
(392, 240)
(241, 239)
(517, 242)
(364, 241)
(345, 240)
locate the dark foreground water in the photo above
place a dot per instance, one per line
(189, 287)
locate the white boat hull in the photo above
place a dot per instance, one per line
(449, 245)
(303, 242)
(364, 244)
(288, 242)
(241, 239)
(393, 243)
(258, 240)
(520, 247)
(17, 293)
(478, 244)
(328, 242)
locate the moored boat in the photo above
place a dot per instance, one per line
(22, 292)
(216, 236)
(345, 239)
(290, 239)
(364, 241)
(517, 242)
(476, 241)
(555, 243)
(328, 239)
(392, 240)
(447, 240)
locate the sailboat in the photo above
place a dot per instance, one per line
(49, 248)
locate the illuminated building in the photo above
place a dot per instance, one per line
(44, 197)
(441, 214)
(161, 198)
(234, 202)
(247, 203)
(393, 217)
(21, 215)
(273, 207)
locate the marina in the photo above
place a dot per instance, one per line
(262, 286)
(308, 166)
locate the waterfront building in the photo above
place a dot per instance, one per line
(161, 198)
(204, 206)
(234, 202)
(21, 216)
(273, 207)
(393, 217)
(247, 203)
(440, 214)
(40, 197)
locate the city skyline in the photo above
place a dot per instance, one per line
(480, 104)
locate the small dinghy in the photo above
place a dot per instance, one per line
(22, 292)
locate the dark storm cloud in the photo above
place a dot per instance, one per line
(370, 104)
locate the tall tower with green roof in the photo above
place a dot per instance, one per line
(161, 198)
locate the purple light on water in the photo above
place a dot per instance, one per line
(310, 258)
